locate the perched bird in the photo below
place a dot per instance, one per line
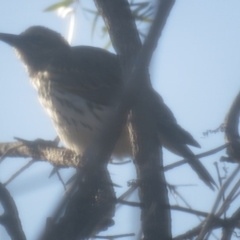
(79, 88)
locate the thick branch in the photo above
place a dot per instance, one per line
(10, 219)
(40, 150)
(153, 194)
(231, 130)
(89, 207)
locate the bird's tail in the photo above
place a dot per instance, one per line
(196, 165)
(201, 171)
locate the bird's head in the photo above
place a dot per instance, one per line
(37, 45)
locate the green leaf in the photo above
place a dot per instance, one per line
(142, 11)
(108, 45)
(56, 6)
(90, 11)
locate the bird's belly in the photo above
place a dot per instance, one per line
(77, 121)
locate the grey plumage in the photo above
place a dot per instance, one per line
(79, 88)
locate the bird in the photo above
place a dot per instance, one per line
(79, 87)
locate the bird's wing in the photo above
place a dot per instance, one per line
(95, 75)
(91, 73)
(168, 126)
(175, 138)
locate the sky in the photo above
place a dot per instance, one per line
(195, 69)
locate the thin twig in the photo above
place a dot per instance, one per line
(115, 236)
(19, 172)
(208, 221)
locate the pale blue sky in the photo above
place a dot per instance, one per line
(195, 68)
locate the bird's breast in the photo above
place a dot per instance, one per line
(76, 120)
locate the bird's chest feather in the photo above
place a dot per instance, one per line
(75, 119)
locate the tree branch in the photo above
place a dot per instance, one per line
(41, 151)
(231, 130)
(10, 219)
(153, 193)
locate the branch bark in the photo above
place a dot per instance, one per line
(10, 219)
(231, 130)
(40, 151)
(156, 222)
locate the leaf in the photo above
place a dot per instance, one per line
(90, 11)
(56, 6)
(97, 15)
(108, 45)
(143, 12)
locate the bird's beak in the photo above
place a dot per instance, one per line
(11, 39)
